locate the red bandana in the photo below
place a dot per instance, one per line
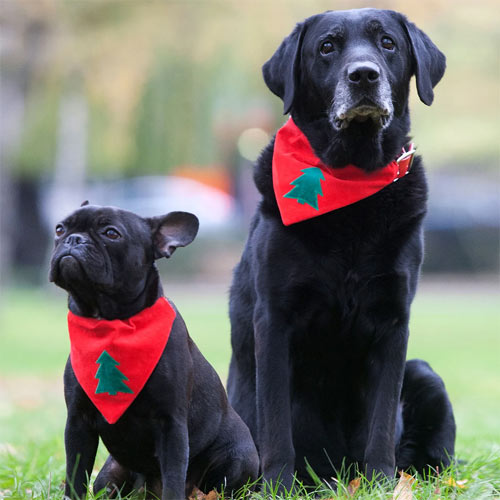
(113, 360)
(305, 188)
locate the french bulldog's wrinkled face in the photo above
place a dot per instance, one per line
(109, 250)
(100, 247)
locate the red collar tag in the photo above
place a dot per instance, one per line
(113, 360)
(305, 188)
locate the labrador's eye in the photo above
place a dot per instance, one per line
(112, 233)
(388, 43)
(326, 47)
(60, 230)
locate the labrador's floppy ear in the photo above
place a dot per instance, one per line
(176, 229)
(281, 72)
(429, 62)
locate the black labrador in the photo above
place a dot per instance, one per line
(320, 308)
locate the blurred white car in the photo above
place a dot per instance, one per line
(148, 196)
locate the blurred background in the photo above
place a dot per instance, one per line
(158, 105)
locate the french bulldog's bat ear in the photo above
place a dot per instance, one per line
(281, 72)
(429, 62)
(85, 203)
(176, 229)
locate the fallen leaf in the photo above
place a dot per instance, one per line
(353, 486)
(404, 486)
(197, 494)
(456, 484)
(406, 477)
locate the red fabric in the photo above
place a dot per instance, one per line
(136, 344)
(340, 186)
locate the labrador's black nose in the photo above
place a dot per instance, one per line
(363, 73)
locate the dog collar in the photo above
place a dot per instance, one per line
(305, 188)
(113, 360)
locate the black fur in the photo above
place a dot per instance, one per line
(319, 310)
(180, 431)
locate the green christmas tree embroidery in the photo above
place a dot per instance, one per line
(110, 378)
(307, 187)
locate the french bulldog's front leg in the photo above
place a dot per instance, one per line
(173, 452)
(81, 446)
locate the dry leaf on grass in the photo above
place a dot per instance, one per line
(403, 488)
(353, 486)
(197, 494)
(456, 484)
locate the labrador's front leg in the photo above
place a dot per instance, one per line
(384, 317)
(383, 393)
(274, 422)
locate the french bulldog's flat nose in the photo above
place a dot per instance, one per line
(363, 73)
(75, 239)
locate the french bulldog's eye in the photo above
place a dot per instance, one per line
(388, 43)
(112, 233)
(60, 230)
(326, 47)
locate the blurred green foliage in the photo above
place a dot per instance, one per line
(173, 117)
(38, 145)
(166, 81)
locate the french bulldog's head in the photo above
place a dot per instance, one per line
(104, 256)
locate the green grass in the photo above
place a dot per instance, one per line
(38, 472)
(459, 335)
(456, 331)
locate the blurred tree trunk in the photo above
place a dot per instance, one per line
(67, 191)
(21, 48)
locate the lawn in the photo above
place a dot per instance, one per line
(455, 327)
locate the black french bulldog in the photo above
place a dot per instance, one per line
(180, 431)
